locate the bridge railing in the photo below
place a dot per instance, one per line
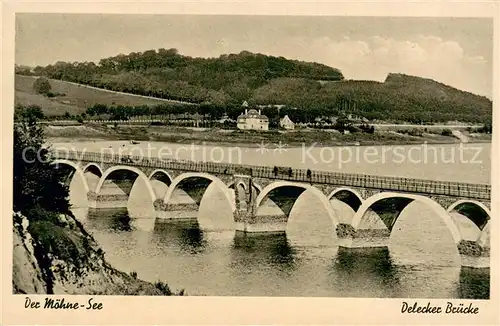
(456, 189)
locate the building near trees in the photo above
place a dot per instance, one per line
(287, 123)
(252, 119)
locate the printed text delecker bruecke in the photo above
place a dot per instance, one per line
(449, 308)
(62, 304)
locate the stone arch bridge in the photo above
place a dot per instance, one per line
(370, 205)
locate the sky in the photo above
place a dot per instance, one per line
(455, 51)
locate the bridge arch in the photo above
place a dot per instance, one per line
(93, 174)
(400, 202)
(347, 195)
(93, 168)
(160, 181)
(77, 169)
(294, 195)
(177, 182)
(475, 211)
(255, 185)
(130, 169)
(161, 175)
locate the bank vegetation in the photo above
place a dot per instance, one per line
(52, 252)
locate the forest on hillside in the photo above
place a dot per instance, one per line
(312, 89)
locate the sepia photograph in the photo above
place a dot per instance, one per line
(252, 156)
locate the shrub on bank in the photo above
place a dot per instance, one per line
(446, 132)
(60, 242)
(411, 132)
(165, 289)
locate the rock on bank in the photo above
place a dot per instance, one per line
(60, 257)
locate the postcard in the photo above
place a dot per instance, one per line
(250, 163)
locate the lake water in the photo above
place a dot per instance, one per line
(449, 162)
(210, 258)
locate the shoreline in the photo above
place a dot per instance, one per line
(254, 145)
(245, 139)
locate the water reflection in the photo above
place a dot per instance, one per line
(272, 265)
(113, 219)
(366, 269)
(268, 249)
(474, 283)
(187, 235)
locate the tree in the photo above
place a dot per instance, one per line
(37, 184)
(23, 70)
(41, 85)
(30, 112)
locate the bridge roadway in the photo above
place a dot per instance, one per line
(370, 205)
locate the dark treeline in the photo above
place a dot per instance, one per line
(315, 89)
(204, 111)
(167, 74)
(208, 116)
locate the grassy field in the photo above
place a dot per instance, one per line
(76, 100)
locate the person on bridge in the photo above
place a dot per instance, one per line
(309, 173)
(275, 171)
(290, 172)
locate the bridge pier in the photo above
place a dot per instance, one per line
(249, 223)
(177, 212)
(473, 255)
(362, 238)
(245, 215)
(107, 200)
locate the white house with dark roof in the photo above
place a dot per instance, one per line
(252, 120)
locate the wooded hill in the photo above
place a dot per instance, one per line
(314, 88)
